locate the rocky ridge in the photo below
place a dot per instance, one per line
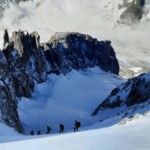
(25, 61)
(133, 93)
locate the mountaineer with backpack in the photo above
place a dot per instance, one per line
(77, 125)
(61, 128)
(48, 129)
(32, 132)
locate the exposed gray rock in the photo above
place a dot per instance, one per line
(78, 51)
(17, 41)
(131, 73)
(8, 108)
(133, 92)
(36, 37)
(133, 12)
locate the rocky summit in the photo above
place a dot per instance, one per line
(24, 62)
(78, 51)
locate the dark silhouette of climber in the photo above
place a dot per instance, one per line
(48, 130)
(39, 132)
(32, 132)
(61, 128)
(77, 125)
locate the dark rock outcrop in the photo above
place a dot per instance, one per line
(135, 91)
(24, 61)
(133, 12)
(78, 51)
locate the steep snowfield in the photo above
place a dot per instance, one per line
(63, 99)
(133, 136)
(97, 18)
(7, 131)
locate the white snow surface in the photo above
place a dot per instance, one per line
(133, 135)
(98, 18)
(64, 99)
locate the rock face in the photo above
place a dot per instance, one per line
(78, 51)
(135, 91)
(133, 12)
(24, 61)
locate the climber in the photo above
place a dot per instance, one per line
(48, 130)
(77, 124)
(61, 128)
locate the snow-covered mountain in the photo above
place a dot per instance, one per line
(65, 79)
(63, 99)
(128, 99)
(132, 133)
(25, 62)
(99, 18)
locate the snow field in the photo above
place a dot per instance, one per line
(63, 99)
(132, 136)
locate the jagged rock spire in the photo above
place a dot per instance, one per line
(6, 37)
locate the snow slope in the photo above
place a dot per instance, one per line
(133, 136)
(7, 131)
(63, 99)
(97, 18)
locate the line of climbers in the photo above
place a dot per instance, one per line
(77, 125)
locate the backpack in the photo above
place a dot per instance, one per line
(48, 128)
(78, 124)
(32, 132)
(61, 126)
